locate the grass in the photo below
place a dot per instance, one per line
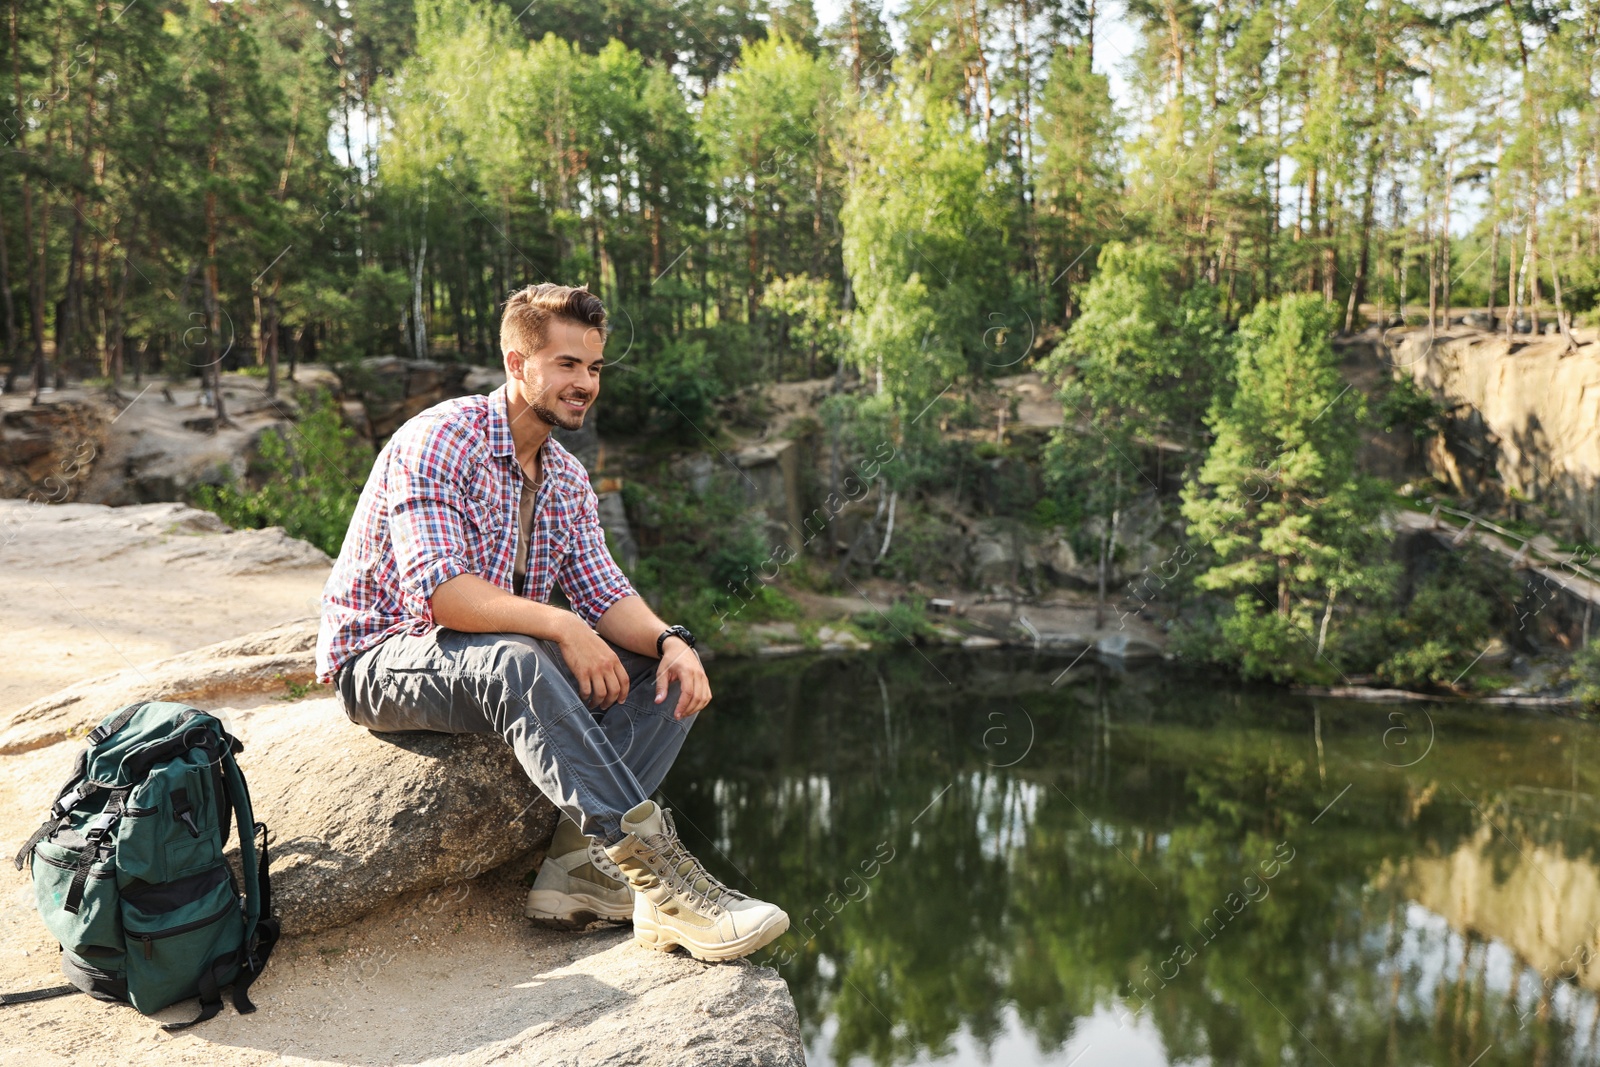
(293, 690)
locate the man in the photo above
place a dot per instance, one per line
(435, 618)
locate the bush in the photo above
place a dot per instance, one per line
(702, 555)
(1586, 670)
(904, 620)
(1448, 623)
(668, 395)
(1403, 406)
(1268, 645)
(1253, 642)
(309, 480)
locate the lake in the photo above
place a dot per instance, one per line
(1005, 857)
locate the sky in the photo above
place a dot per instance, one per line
(1114, 37)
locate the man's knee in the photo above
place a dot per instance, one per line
(521, 661)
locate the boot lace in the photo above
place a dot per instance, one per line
(604, 863)
(691, 876)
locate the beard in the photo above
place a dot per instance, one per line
(565, 420)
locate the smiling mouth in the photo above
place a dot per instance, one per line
(576, 405)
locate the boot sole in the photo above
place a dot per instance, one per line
(657, 937)
(559, 911)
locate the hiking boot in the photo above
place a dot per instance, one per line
(677, 902)
(578, 884)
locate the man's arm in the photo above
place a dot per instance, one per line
(630, 623)
(474, 605)
(602, 595)
(426, 526)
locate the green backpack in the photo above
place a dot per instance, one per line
(128, 870)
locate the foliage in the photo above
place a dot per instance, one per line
(702, 549)
(1456, 608)
(309, 479)
(1138, 362)
(1586, 671)
(1278, 511)
(925, 245)
(903, 620)
(811, 318)
(668, 395)
(1404, 406)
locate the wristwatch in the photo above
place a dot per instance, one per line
(674, 631)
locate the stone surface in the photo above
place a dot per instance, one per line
(270, 661)
(449, 976)
(47, 450)
(1124, 646)
(1523, 416)
(90, 589)
(357, 818)
(840, 639)
(394, 389)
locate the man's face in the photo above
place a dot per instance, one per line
(561, 380)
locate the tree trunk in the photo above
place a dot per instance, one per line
(1444, 237)
(1358, 291)
(1561, 316)
(1494, 263)
(10, 309)
(32, 241)
(272, 341)
(219, 407)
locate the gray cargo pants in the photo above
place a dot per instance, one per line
(593, 765)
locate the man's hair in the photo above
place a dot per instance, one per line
(525, 323)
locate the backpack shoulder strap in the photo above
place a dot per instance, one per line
(76, 789)
(261, 928)
(7, 999)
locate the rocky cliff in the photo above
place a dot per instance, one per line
(1523, 418)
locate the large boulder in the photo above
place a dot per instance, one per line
(357, 818)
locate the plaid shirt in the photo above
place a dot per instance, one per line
(441, 501)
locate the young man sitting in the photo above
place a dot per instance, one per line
(435, 618)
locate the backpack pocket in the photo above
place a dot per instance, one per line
(169, 829)
(96, 930)
(175, 932)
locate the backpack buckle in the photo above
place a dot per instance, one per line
(101, 823)
(68, 802)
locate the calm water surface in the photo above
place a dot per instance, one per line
(988, 861)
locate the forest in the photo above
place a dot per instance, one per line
(923, 197)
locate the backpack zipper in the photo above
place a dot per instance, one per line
(150, 938)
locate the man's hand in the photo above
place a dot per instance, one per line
(601, 680)
(680, 662)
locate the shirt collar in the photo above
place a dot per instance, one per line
(501, 443)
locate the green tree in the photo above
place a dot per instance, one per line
(1137, 360)
(1285, 522)
(771, 126)
(1080, 185)
(925, 233)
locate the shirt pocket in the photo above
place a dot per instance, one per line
(483, 530)
(561, 542)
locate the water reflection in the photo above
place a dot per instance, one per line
(1151, 867)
